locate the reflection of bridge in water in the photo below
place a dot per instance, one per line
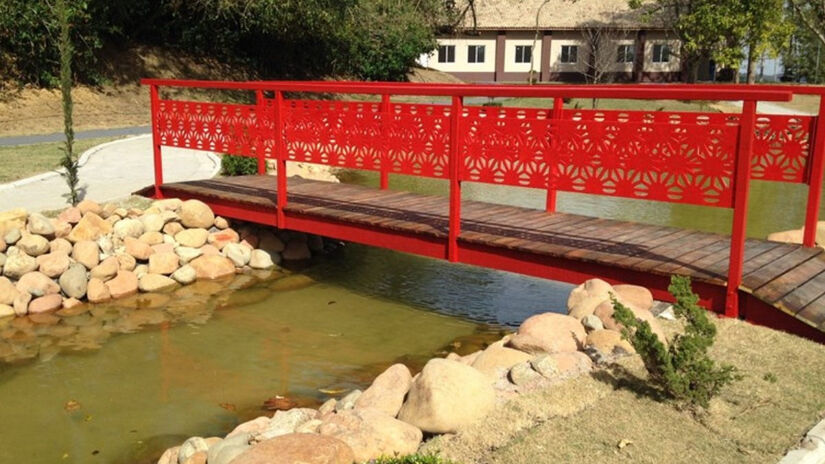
(705, 159)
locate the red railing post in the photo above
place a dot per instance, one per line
(558, 113)
(741, 189)
(817, 164)
(455, 179)
(260, 130)
(154, 102)
(281, 157)
(385, 152)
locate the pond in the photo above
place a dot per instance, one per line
(119, 383)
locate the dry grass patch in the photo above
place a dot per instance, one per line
(21, 161)
(582, 421)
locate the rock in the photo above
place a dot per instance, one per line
(172, 228)
(213, 267)
(128, 228)
(7, 291)
(387, 392)
(192, 238)
(187, 254)
(164, 248)
(155, 283)
(17, 265)
(348, 401)
(140, 270)
(61, 228)
(89, 206)
(37, 283)
(371, 433)
(46, 303)
(106, 270)
(260, 259)
(296, 251)
(53, 264)
(152, 222)
(60, 245)
(571, 364)
(328, 406)
(97, 291)
(592, 322)
(137, 249)
(635, 295)
(197, 458)
(13, 219)
(73, 282)
(69, 303)
(151, 238)
(221, 223)
(71, 215)
(3, 246)
(229, 448)
(239, 255)
(126, 262)
(196, 214)
(190, 447)
(285, 422)
(209, 250)
(446, 397)
(222, 238)
(545, 364)
(310, 426)
(315, 243)
(496, 359)
(91, 227)
(605, 312)
(608, 342)
(164, 263)
(40, 225)
(12, 235)
(87, 253)
(185, 275)
(169, 456)
(33, 245)
(6, 311)
(550, 333)
(298, 448)
(21, 303)
(167, 204)
(270, 242)
(523, 374)
(124, 284)
(788, 236)
(253, 427)
(584, 298)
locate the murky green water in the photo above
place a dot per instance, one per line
(121, 382)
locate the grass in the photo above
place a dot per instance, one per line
(19, 162)
(612, 416)
(614, 104)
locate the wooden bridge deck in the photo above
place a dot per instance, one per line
(562, 246)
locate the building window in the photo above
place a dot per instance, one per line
(661, 53)
(625, 54)
(524, 53)
(446, 53)
(569, 54)
(475, 53)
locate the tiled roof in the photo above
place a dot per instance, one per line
(556, 14)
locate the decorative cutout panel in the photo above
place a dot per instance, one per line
(216, 127)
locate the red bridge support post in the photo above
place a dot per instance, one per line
(158, 159)
(740, 207)
(558, 113)
(281, 157)
(456, 113)
(385, 155)
(260, 109)
(815, 168)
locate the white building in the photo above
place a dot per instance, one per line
(586, 38)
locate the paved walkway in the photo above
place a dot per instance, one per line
(110, 171)
(60, 136)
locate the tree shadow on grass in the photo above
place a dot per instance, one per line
(621, 378)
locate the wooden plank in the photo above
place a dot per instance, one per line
(803, 295)
(814, 313)
(785, 283)
(684, 265)
(673, 251)
(655, 247)
(777, 267)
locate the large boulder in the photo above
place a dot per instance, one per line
(155, 283)
(45, 304)
(285, 422)
(634, 295)
(296, 250)
(72, 215)
(13, 219)
(371, 433)
(124, 284)
(107, 269)
(40, 225)
(152, 222)
(37, 283)
(270, 242)
(496, 359)
(185, 275)
(73, 282)
(196, 214)
(8, 292)
(238, 254)
(584, 298)
(192, 238)
(387, 392)
(446, 397)
(61, 245)
(89, 206)
(164, 263)
(260, 259)
(137, 249)
(223, 237)
(91, 227)
(298, 448)
(17, 265)
(549, 333)
(97, 291)
(213, 267)
(33, 245)
(608, 342)
(87, 253)
(605, 313)
(128, 228)
(53, 264)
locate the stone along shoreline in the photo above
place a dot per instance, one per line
(95, 253)
(400, 412)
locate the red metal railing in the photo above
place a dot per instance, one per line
(696, 158)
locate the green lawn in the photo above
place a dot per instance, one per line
(614, 104)
(22, 161)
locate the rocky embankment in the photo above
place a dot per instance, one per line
(95, 253)
(398, 411)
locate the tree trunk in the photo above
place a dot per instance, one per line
(751, 64)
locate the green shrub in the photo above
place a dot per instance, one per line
(232, 165)
(412, 459)
(683, 371)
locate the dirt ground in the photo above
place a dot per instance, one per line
(611, 416)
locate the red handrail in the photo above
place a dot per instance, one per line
(266, 124)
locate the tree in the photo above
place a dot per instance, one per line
(803, 59)
(69, 161)
(764, 29)
(535, 42)
(812, 14)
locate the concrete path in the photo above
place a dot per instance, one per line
(59, 137)
(110, 171)
(770, 108)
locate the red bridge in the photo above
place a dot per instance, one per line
(698, 158)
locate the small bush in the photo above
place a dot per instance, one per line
(411, 459)
(232, 165)
(683, 371)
